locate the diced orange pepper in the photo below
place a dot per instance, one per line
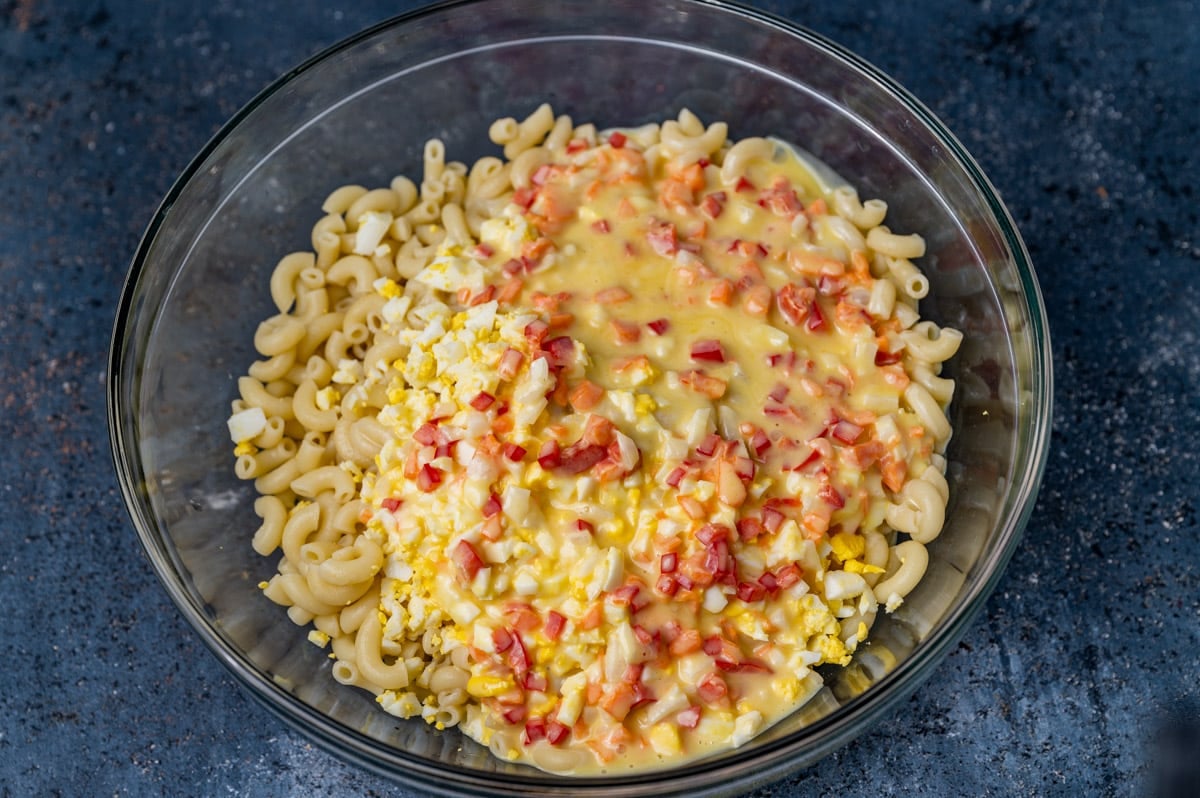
(585, 396)
(686, 642)
(859, 263)
(560, 321)
(712, 387)
(510, 290)
(894, 470)
(503, 424)
(612, 295)
(595, 691)
(618, 701)
(757, 300)
(553, 203)
(624, 331)
(721, 293)
(592, 618)
(621, 365)
(560, 393)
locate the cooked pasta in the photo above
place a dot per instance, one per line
(596, 451)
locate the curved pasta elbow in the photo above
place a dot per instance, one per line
(920, 513)
(885, 242)
(740, 155)
(353, 565)
(270, 533)
(305, 410)
(326, 478)
(931, 344)
(278, 334)
(368, 657)
(908, 563)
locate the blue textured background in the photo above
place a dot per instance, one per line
(1083, 113)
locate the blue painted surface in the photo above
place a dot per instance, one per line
(1083, 114)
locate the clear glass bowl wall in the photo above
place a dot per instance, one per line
(360, 113)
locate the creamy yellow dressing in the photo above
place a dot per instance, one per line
(589, 262)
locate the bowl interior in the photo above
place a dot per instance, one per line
(361, 114)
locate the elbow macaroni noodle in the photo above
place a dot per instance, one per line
(593, 514)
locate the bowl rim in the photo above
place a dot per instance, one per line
(765, 763)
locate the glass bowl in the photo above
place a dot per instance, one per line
(360, 112)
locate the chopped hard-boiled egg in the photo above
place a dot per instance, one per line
(247, 424)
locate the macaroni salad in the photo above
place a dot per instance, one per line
(596, 451)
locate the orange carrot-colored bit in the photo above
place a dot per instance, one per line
(817, 207)
(463, 295)
(864, 455)
(560, 321)
(585, 396)
(412, 465)
(489, 444)
(510, 290)
(546, 227)
(597, 430)
(553, 203)
(859, 263)
(721, 293)
(618, 701)
(592, 618)
(691, 506)
(686, 642)
(815, 525)
(486, 295)
(692, 176)
(630, 163)
(625, 332)
(503, 424)
(595, 691)
(613, 295)
(698, 381)
(592, 190)
(560, 393)
(548, 303)
(695, 567)
(730, 631)
(809, 263)
(621, 365)
(536, 250)
(850, 316)
(757, 300)
(893, 470)
(625, 209)
(749, 268)
(885, 326)
(677, 197)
